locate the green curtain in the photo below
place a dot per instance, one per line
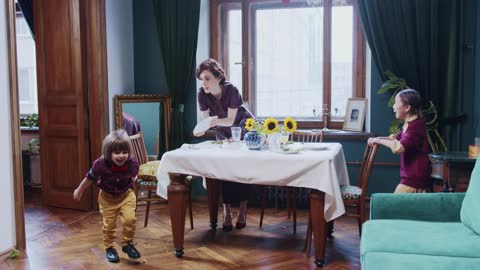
(417, 40)
(177, 25)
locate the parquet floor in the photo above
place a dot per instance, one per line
(70, 239)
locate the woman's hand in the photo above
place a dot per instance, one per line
(77, 194)
(198, 134)
(214, 121)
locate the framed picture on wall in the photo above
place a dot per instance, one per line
(355, 114)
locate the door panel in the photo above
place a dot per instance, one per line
(62, 104)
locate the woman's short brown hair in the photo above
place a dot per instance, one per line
(411, 97)
(214, 67)
(117, 140)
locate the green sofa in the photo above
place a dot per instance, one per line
(424, 231)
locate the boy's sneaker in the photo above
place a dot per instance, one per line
(131, 251)
(112, 255)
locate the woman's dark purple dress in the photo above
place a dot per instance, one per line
(230, 98)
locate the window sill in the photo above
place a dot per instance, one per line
(332, 135)
(29, 129)
(345, 135)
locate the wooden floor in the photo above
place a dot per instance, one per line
(68, 239)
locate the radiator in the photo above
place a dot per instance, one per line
(277, 197)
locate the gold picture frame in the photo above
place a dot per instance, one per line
(355, 114)
(125, 103)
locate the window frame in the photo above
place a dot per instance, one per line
(219, 52)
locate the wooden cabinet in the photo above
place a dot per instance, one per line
(453, 169)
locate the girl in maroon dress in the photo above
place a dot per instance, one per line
(411, 143)
(221, 99)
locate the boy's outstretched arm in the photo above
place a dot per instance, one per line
(77, 194)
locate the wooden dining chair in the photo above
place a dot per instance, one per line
(353, 195)
(148, 182)
(291, 192)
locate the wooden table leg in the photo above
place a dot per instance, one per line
(319, 225)
(177, 204)
(212, 189)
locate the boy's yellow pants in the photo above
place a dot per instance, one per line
(111, 207)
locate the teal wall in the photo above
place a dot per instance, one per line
(149, 78)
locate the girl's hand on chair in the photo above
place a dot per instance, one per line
(372, 141)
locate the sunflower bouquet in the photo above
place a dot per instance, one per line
(271, 125)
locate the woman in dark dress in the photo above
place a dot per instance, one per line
(221, 99)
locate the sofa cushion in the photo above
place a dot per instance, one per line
(451, 239)
(395, 261)
(471, 204)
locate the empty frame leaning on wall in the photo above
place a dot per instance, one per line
(153, 115)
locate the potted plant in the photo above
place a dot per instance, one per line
(31, 153)
(395, 84)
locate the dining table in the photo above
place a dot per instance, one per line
(319, 167)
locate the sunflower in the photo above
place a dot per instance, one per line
(290, 124)
(271, 125)
(249, 124)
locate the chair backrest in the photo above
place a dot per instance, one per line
(139, 149)
(307, 136)
(366, 168)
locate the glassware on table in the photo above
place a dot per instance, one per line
(477, 141)
(236, 133)
(284, 137)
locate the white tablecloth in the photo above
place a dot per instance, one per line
(324, 170)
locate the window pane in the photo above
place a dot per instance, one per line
(27, 67)
(23, 85)
(231, 24)
(287, 60)
(342, 58)
(235, 48)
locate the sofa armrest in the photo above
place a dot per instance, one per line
(441, 207)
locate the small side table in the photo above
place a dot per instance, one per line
(453, 168)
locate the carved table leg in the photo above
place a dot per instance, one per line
(447, 187)
(319, 225)
(212, 189)
(177, 204)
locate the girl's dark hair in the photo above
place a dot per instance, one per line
(214, 67)
(411, 97)
(117, 140)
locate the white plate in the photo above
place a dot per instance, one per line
(290, 150)
(314, 147)
(202, 126)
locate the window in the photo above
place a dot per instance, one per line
(291, 57)
(27, 67)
